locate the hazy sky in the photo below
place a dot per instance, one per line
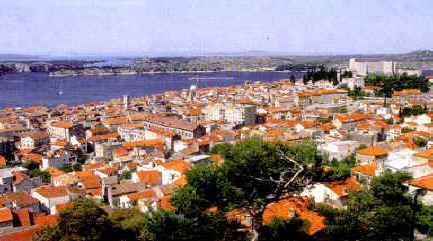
(137, 26)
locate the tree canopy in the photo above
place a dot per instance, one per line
(382, 212)
(398, 82)
(254, 174)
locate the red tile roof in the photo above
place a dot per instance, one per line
(150, 177)
(295, 207)
(368, 169)
(343, 187)
(2, 161)
(149, 193)
(61, 124)
(5, 215)
(19, 235)
(372, 151)
(23, 217)
(179, 165)
(51, 192)
(424, 182)
(49, 220)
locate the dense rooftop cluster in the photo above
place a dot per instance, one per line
(134, 152)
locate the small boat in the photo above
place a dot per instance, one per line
(60, 92)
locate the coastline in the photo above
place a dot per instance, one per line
(167, 72)
(38, 89)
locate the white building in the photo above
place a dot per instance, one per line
(371, 66)
(402, 161)
(50, 196)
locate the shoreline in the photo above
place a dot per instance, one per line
(171, 72)
(162, 76)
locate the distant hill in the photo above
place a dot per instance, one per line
(19, 57)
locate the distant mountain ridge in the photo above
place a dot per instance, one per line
(417, 55)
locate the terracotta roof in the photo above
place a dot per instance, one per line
(49, 220)
(54, 171)
(426, 154)
(142, 195)
(61, 207)
(372, 151)
(2, 161)
(295, 207)
(131, 126)
(99, 130)
(150, 177)
(171, 121)
(91, 181)
(108, 136)
(93, 166)
(424, 182)
(164, 203)
(108, 170)
(5, 215)
(61, 124)
(216, 158)
(194, 112)
(368, 169)
(19, 177)
(352, 117)
(61, 143)
(32, 157)
(38, 135)
(181, 181)
(343, 187)
(116, 121)
(22, 199)
(51, 192)
(143, 143)
(22, 217)
(179, 165)
(19, 234)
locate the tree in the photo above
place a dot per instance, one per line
(305, 78)
(382, 212)
(44, 175)
(126, 175)
(387, 89)
(283, 229)
(340, 170)
(31, 165)
(166, 225)
(84, 221)
(128, 224)
(254, 174)
(292, 79)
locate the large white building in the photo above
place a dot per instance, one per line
(371, 66)
(238, 114)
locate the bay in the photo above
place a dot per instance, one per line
(39, 89)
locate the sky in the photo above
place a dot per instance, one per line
(134, 27)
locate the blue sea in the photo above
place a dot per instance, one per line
(39, 89)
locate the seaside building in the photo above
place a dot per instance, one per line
(371, 66)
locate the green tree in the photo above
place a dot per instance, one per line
(167, 226)
(31, 165)
(382, 212)
(126, 175)
(283, 229)
(44, 175)
(387, 89)
(253, 175)
(292, 79)
(84, 221)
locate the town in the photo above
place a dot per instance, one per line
(136, 152)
